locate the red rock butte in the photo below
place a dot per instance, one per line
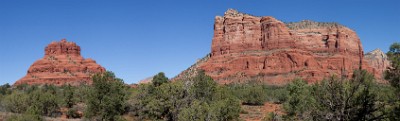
(246, 47)
(61, 64)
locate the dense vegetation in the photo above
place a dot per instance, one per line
(393, 75)
(201, 99)
(197, 99)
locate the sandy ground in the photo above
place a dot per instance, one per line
(257, 113)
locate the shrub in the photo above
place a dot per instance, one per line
(159, 79)
(298, 101)
(25, 117)
(45, 102)
(200, 98)
(276, 94)
(249, 93)
(336, 99)
(17, 102)
(68, 96)
(198, 111)
(72, 113)
(5, 89)
(203, 87)
(227, 109)
(106, 98)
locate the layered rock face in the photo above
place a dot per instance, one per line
(378, 62)
(246, 47)
(61, 64)
(146, 80)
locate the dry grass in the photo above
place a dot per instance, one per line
(257, 113)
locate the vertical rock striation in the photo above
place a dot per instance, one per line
(246, 47)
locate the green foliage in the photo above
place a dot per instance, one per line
(250, 93)
(298, 101)
(25, 117)
(393, 75)
(394, 49)
(72, 113)
(38, 101)
(275, 94)
(5, 89)
(17, 102)
(175, 97)
(159, 79)
(68, 96)
(22, 86)
(145, 104)
(198, 111)
(198, 99)
(203, 87)
(227, 109)
(81, 93)
(106, 98)
(44, 102)
(254, 95)
(354, 99)
(336, 99)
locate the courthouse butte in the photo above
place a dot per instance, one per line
(61, 64)
(246, 47)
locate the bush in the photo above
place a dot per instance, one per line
(298, 101)
(200, 98)
(249, 94)
(203, 87)
(68, 98)
(393, 76)
(276, 94)
(198, 111)
(17, 102)
(45, 102)
(81, 93)
(5, 89)
(354, 99)
(72, 113)
(159, 79)
(336, 99)
(106, 98)
(25, 117)
(227, 109)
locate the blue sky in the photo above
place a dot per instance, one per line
(139, 38)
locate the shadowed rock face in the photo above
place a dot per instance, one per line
(61, 64)
(246, 47)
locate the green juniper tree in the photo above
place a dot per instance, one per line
(159, 79)
(107, 98)
(199, 98)
(393, 75)
(298, 101)
(68, 96)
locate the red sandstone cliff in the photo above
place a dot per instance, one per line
(378, 62)
(61, 64)
(246, 47)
